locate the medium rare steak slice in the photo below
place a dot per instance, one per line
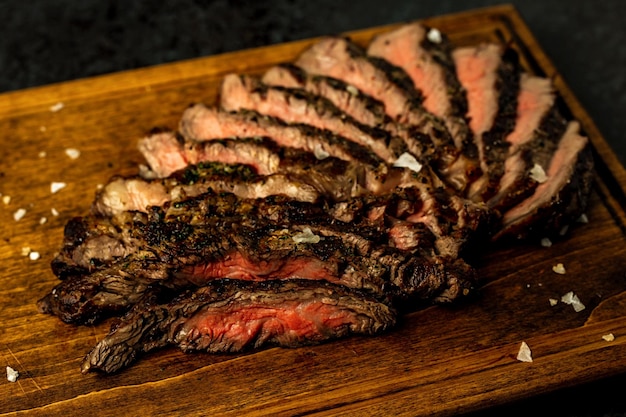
(360, 106)
(241, 92)
(339, 58)
(201, 123)
(558, 199)
(446, 161)
(232, 316)
(490, 75)
(184, 249)
(425, 55)
(138, 194)
(539, 126)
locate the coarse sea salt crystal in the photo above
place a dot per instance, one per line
(524, 354)
(56, 186)
(43, 220)
(352, 90)
(54, 211)
(553, 301)
(583, 219)
(434, 36)
(42, 154)
(573, 300)
(12, 374)
(56, 107)
(546, 243)
(6, 199)
(34, 255)
(406, 160)
(608, 337)
(72, 153)
(320, 153)
(538, 174)
(19, 214)
(559, 268)
(25, 251)
(306, 236)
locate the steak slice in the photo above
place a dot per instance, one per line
(183, 248)
(490, 75)
(448, 162)
(232, 316)
(362, 107)
(561, 198)
(539, 126)
(241, 92)
(138, 194)
(339, 58)
(201, 123)
(430, 66)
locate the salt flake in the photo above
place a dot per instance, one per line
(573, 300)
(72, 153)
(434, 36)
(19, 214)
(553, 301)
(608, 337)
(406, 160)
(538, 174)
(12, 374)
(54, 211)
(559, 268)
(524, 354)
(56, 186)
(34, 255)
(306, 236)
(56, 107)
(546, 243)
(319, 152)
(583, 219)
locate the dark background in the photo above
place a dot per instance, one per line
(43, 42)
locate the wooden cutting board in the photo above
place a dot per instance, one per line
(438, 361)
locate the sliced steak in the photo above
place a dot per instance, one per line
(138, 194)
(241, 92)
(184, 248)
(232, 316)
(425, 55)
(201, 123)
(339, 58)
(490, 75)
(561, 197)
(539, 126)
(360, 106)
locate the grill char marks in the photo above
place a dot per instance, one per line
(293, 213)
(221, 236)
(341, 59)
(432, 71)
(269, 313)
(241, 92)
(539, 126)
(490, 75)
(562, 198)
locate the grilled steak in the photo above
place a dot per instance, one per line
(321, 199)
(231, 316)
(430, 66)
(339, 58)
(561, 198)
(298, 106)
(538, 128)
(490, 75)
(207, 238)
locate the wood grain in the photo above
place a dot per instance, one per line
(438, 361)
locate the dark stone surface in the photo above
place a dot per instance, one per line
(47, 41)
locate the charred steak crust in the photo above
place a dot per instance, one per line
(319, 201)
(232, 316)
